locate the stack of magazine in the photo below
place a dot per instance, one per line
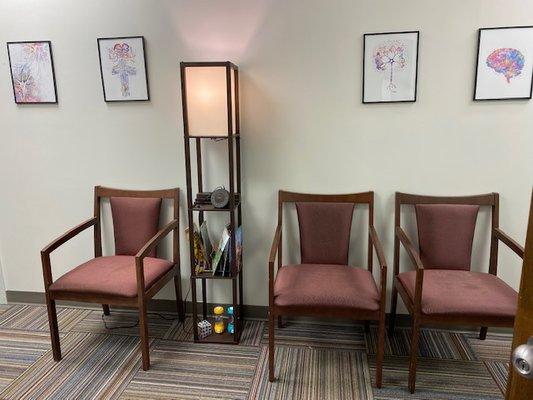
(216, 260)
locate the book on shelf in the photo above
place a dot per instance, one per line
(220, 249)
(215, 260)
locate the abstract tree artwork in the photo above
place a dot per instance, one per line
(123, 68)
(32, 72)
(390, 67)
(504, 68)
(388, 57)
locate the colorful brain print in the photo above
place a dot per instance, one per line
(508, 62)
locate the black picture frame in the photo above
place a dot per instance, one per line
(98, 40)
(51, 65)
(480, 30)
(416, 67)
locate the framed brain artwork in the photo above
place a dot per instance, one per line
(123, 68)
(504, 63)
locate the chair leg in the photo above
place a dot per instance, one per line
(54, 329)
(280, 322)
(367, 326)
(380, 352)
(105, 307)
(392, 314)
(143, 327)
(414, 354)
(483, 333)
(271, 346)
(179, 300)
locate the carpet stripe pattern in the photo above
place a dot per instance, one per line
(36, 317)
(312, 360)
(18, 350)
(313, 373)
(185, 370)
(93, 367)
(345, 337)
(433, 344)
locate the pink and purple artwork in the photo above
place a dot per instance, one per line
(506, 61)
(504, 68)
(32, 72)
(123, 68)
(123, 59)
(388, 57)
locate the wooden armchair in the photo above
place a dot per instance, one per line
(442, 290)
(133, 275)
(323, 285)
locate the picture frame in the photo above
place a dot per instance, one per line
(31, 64)
(504, 64)
(390, 67)
(123, 68)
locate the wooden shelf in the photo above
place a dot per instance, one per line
(210, 207)
(209, 275)
(195, 211)
(221, 338)
(235, 136)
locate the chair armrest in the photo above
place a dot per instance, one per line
(147, 248)
(68, 235)
(378, 247)
(411, 250)
(509, 242)
(271, 259)
(415, 258)
(156, 239)
(275, 245)
(45, 253)
(382, 262)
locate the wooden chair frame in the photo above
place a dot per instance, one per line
(414, 307)
(143, 294)
(373, 244)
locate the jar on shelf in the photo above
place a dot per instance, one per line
(218, 325)
(231, 320)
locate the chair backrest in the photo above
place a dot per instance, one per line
(135, 217)
(446, 234)
(446, 227)
(325, 223)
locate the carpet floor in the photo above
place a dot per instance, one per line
(101, 360)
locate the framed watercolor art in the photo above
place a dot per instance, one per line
(123, 68)
(504, 69)
(390, 67)
(32, 72)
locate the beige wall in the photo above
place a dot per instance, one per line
(304, 127)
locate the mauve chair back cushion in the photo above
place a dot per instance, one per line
(135, 221)
(446, 234)
(325, 232)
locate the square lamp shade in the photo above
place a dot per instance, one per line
(210, 98)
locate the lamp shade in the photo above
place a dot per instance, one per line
(210, 98)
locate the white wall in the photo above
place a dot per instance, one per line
(304, 127)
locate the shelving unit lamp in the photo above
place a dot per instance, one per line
(210, 101)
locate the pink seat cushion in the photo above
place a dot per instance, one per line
(324, 232)
(135, 222)
(462, 293)
(326, 287)
(446, 234)
(113, 275)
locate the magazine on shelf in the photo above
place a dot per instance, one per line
(207, 245)
(220, 249)
(199, 254)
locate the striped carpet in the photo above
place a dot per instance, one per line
(312, 361)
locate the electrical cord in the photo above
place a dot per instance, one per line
(110, 328)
